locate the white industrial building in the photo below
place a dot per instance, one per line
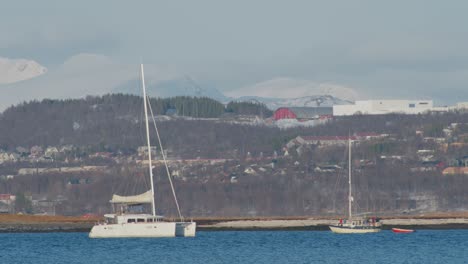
(381, 107)
(460, 106)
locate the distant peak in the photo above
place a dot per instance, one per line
(289, 88)
(15, 70)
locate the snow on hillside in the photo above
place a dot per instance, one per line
(306, 101)
(295, 88)
(290, 123)
(15, 70)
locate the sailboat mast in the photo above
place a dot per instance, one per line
(153, 207)
(350, 197)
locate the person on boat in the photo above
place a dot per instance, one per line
(341, 221)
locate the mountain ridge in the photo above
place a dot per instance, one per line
(16, 70)
(92, 74)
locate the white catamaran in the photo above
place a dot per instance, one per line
(355, 225)
(124, 224)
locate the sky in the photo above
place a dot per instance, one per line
(382, 49)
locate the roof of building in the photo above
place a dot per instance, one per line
(455, 170)
(309, 112)
(356, 136)
(328, 138)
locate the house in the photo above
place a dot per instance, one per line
(104, 155)
(455, 171)
(332, 140)
(250, 171)
(7, 177)
(66, 148)
(461, 106)
(51, 152)
(425, 154)
(447, 132)
(302, 113)
(7, 202)
(434, 140)
(327, 168)
(36, 151)
(23, 152)
(8, 157)
(14, 157)
(4, 157)
(458, 145)
(366, 163)
(460, 162)
(143, 151)
(429, 166)
(44, 206)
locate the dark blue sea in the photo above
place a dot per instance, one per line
(425, 246)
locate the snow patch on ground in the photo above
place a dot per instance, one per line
(290, 123)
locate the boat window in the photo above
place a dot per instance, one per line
(140, 220)
(150, 220)
(131, 220)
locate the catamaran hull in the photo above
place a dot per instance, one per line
(353, 230)
(186, 229)
(158, 229)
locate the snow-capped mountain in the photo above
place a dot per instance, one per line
(306, 101)
(15, 70)
(94, 74)
(294, 88)
(288, 92)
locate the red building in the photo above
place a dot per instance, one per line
(302, 113)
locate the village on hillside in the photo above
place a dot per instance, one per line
(61, 178)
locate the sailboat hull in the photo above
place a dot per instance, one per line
(354, 229)
(186, 229)
(402, 231)
(158, 229)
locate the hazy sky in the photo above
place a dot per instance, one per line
(392, 49)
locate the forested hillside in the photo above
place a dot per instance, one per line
(225, 168)
(115, 122)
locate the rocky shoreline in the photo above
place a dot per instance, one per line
(322, 224)
(244, 225)
(44, 227)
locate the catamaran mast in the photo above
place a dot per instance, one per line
(153, 207)
(350, 196)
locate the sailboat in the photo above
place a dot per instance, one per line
(124, 223)
(354, 225)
